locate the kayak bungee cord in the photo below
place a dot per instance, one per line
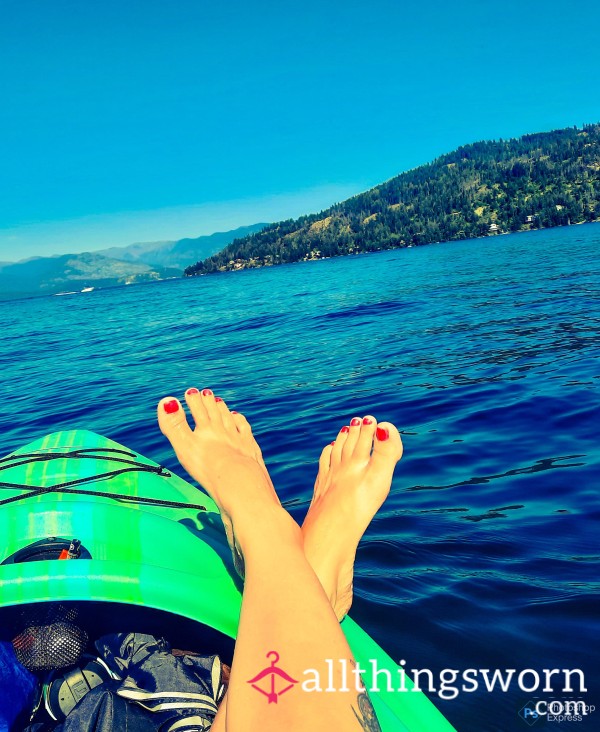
(66, 487)
(83, 452)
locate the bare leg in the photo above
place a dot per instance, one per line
(284, 607)
(361, 460)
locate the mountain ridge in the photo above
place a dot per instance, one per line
(72, 272)
(178, 253)
(485, 188)
(140, 262)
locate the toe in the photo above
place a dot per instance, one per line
(213, 412)
(172, 422)
(387, 447)
(226, 415)
(325, 460)
(364, 444)
(245, 431)
(242, 424)
(197, 408)
(338, 445)
(352, 437)
(324, 466)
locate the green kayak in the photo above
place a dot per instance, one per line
(151, 543)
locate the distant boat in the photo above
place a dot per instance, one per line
(56, 294)
(87, 289)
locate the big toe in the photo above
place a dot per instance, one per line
(172, 422)
(387, 445)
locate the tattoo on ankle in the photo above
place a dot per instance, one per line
(366, 713)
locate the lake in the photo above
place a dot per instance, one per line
(483, 352)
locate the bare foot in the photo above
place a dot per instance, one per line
(223, 456)
(355, 475)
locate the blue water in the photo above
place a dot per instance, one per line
(484, 352)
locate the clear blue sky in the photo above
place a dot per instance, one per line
(137, 120)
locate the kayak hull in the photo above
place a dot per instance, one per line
(167, 558)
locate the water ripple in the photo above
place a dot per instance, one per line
(486, 553)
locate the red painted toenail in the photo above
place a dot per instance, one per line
(233, 411)
(332, 444)
(382, 434)
(206, 392)
(193, 390)
(345, 429)
(366, 420)
(355, 422)
(171, 406)
(218, 399)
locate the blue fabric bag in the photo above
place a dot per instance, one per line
(18, 690)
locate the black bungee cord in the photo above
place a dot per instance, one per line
(13, 461)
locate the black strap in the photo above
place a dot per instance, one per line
(13, 461)
(37, 457)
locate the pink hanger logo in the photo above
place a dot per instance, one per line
(273, 677)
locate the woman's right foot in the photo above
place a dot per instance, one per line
(355, 475)
(223, 456)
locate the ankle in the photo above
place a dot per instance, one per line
(267, 531)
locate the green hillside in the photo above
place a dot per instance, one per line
(487, 188)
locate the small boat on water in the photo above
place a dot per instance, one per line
(150, 555)
(87, 289)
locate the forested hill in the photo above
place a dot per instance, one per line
(487, 188)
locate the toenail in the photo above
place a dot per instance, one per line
(218, 399)
(355, 422)
(193, 390)
(332, 444)
(382, 434)
(366, 420)
(345, 429)
(233, 411)
(206, 392)
(171, 406)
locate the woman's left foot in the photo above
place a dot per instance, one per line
(355, 475)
